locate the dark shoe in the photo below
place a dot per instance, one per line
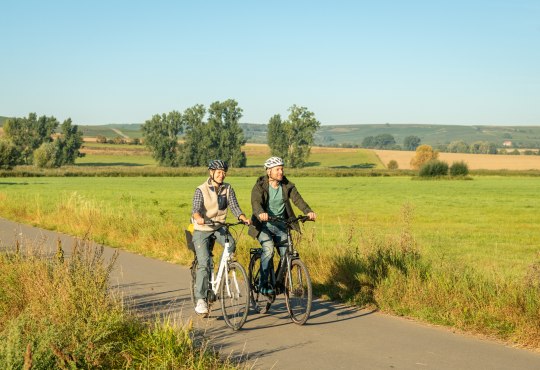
(267, 290)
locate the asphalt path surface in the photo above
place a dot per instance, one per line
(335, 336)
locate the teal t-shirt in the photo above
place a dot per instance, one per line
(276, 206)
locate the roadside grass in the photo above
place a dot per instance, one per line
(461, 238)
(58, 312)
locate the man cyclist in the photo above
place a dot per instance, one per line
(271, 197)
(210, 203)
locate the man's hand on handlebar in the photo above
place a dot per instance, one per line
(263, 217)
(312, 216)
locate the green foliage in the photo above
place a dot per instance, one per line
(434, 168)
(392, 165)
(381, 141)
(411, 142)
(459, 169)
(27, 134)
(69, 143)
(292, 140)
(47, 156)
(161, 137)
(278, 137)
(458, 147)
(225, 135)
(483, 147)
(195, 137)
(8, 155)
(220, 137)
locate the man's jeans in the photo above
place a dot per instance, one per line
(202, 241)
(272, 235)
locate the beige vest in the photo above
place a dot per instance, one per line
(210, 209)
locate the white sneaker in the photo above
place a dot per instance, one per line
(202, 307)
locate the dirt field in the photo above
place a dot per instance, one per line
(474, 161)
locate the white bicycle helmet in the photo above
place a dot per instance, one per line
(273, 162)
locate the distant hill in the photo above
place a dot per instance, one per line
(339, 135)
(333, 135)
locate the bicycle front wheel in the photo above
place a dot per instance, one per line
(235, 296)
(298, 292)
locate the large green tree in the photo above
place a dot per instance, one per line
(219, 137)
(195, 138)
(278, 137)
(8, 155)
(27, 134)
(161, 137)
(69, 143)
(411, 142)
(225, 134)
(297, 132)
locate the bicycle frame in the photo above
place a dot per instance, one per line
(285, 263)
(291, 270)
(228, 283)
(215, 280)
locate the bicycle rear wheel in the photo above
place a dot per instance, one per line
(235, 295)
(298, 292)
(260, 302)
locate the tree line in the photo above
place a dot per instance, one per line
(41, 141)
(199, 135)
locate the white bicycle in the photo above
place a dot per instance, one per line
(229, 283)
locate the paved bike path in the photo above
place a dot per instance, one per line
(335, 337)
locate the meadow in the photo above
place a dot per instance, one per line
(458, 253)
(479, 223)
(452, 252)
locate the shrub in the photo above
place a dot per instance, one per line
(101, 139)
(46, 156)
(434, 168)
(392, 165)
(8, 155)
(424, 154)
(459, 169)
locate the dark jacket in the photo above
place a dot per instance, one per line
(259, 202)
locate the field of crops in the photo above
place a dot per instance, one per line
(474, 161)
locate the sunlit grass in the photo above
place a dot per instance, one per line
(58, 312)
(487, 226)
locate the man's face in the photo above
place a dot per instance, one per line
(218, 175)
(276, 173)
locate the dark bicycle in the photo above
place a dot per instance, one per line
(291, 277)
(229, 282)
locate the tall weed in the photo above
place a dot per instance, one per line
(58, 313)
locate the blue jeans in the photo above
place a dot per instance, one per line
(272, 235)
(202, 241)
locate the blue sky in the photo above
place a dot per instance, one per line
(350, 62)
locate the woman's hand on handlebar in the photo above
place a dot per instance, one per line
(245, 220)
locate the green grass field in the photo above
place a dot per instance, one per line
(457, 253)
(479, 223)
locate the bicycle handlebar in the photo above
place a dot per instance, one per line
(227, 224)
(301, 218)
